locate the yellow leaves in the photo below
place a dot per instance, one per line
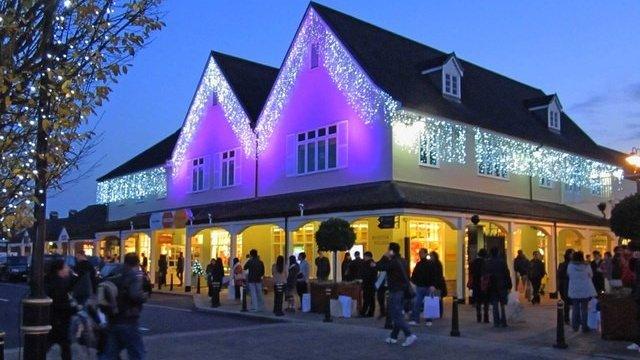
(7, 101)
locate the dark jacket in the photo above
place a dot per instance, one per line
(500, 278)
(86, 282)
(255, 267)
(598, 276)
(441, 284)
(521, 265)
(368, 273)
(58, 290)
(562, 279)
(344, 267)
(396, 268)
(131, 296)
(476, 270)
(536, 270)
(180, 265)
(424, 274)
(163, 265)
(354, 269)
(323, 267)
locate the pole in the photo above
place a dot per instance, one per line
(560, 341)
(36, 308)
(455, 326)
(244, 298)
(171, 283)
(327, 307)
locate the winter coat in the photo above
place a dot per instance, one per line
(58, 290)
(255, 267)
(424, 274)
(598, 276)
(536, 270)
(439, 278)
(500, 279)
(369, 273)
(476, 269)
(344, 267)
(323, 268)
(131, 296)
(396, 268)
(580, 283)
(354, 269)
(563, 280)
(521, 265)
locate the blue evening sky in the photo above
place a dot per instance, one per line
(586, 51)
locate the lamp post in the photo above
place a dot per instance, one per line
(634, 160)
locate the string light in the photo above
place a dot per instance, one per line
(139, 185)
(213, 83)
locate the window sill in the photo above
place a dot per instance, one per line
(437, 166)
(316, 172)
(494, 177)
(198, 191)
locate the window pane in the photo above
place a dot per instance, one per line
(232, 153)
(332, 129)
(301, 159)
(332, 153)
(322, 160)
(454, 85)
(311, 156)
(322, 132)
(194, 180)
(224, 173)
(200, 178)
(301, 137)
(231, 172)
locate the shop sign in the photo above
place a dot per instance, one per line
(170, 219)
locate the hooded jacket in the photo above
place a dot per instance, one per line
(580, 284)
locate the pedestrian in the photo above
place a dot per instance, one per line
(302, 279)
(344, 267)
(581, 290)
(381, 290)
(536, 273)
(180, 268)
(424, 278)
(255, 268)
(238, 277)
(562, 279)
(87, 279)
(279, 273)
(215, 276)
(480, 297)
(144, 262)
(354, 267)
(399, 290)
(323, 268)
(124, 327)
(58, 286)
(521, 267)
(292, 280)
(606, 267)
(596, 270)
(499, 286)
(163, 266)
(440, 283)
(369, 276)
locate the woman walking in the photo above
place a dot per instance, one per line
(279, 274)
(581, 290)
(292, 278)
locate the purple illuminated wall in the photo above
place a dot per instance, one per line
(315, 102)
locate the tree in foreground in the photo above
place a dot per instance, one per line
(625, 219)
(335, 235)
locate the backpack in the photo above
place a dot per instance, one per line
(108, 297)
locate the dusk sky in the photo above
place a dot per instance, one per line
(586, 51)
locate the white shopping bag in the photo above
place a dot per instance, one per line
(593, 315)
(346, 303)
(306, 302)
(231, 292)
(431, 307)
(335, 308)
(514, 308)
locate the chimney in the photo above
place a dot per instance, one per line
(53, 215)
(73, 212)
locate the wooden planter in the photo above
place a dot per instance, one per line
(619, 317)
(319, 298)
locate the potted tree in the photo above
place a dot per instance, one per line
(618, 310)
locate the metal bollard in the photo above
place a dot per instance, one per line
(455, 326)
(171, 283)
(198, 285)
(244, 298)
(560, 341)
(387, 320)
(2, 335)
(327, 307)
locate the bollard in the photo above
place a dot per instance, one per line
(244, 298)
(171, 283)
(560, 341)
(198, 285)
(2, 334)
(327, 307)
(387, 320)
(277, 300)
(455, 326)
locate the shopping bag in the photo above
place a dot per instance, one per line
(593, 315)
(335, 308)
(514, 309)
(346, 305)
(306, 302)
(231, 292)
(431, 307)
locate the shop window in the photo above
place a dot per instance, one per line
(424, 234)
(277, 241)
(361, 229)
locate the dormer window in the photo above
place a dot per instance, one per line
(554, 119)
(446, 72)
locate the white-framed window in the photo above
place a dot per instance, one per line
(313, 55)
(198, 170)
(428, 152)
(452, 85)
(228, 168)
(318, 150)
(494, 169)
(554, 120)
(544, 182)
(603, 189)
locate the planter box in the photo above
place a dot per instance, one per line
(619, 317)
(319, 298)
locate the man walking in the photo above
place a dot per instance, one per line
(536, 273)
(369, 277)
(399, 290)
(123, 332)
(255, 267)
(180, 268)
(323, 268)
(521, 266)
(423, 277)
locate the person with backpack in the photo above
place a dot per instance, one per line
(323, 268)
(124, 328)
(59, 283)
(255, 268)
(476, 270)
(498, 277)
(292, 280)
(536, 273)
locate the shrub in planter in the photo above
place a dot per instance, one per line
(625, 219)
(335, 235)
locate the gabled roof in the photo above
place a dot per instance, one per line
(81, 225)
(539, 101)
(489, 100)
(250, 81)
(438, 62)
(154, 156)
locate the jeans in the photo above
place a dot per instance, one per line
(123, 336)
(499, 316)
(579, 314)
(421, 293)
(535, 284)
(368, 300)
(396, 302)
(257, 298)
